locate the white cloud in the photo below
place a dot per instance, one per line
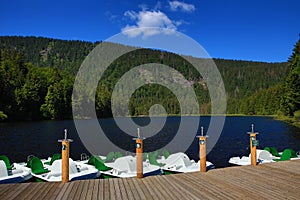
(177, 5)
(131, 14)
(147, 24)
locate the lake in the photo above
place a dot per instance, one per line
(20, 139)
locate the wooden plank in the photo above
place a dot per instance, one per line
(289, 167)
(271, 184)
(258, 180)
(230, 185)
(247, 183)
(75, 190)
(124, 193)
(145, 188)
(32, 191)
(167, 189)
(62, 191)
(84, 189)
(6, 188)
(267, 181)
(15, 190)
(45, 189)
(66, 194)
(138, 187)
(106, 191)
(100, 190)
(93, 189)
(79, 190)
(220, 182)
(112, 192)
(55, 191)
(205, 185)
(147, 184)
(215, 185)
(131, 188)
(115, 182)
(240, 183)
(175, 189)
(160, 190)
(192, 188)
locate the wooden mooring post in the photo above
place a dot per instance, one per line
(253, 144)
(65, 151)
(139, 155)
(202, 151)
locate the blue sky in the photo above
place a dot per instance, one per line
(258, 30)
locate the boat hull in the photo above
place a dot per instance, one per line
(41, 178)
(18, 174)
(125, 167)
(16, 179)
(108, 174)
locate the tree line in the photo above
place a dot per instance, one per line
(37, 77)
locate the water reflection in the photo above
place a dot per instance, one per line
(18, 140)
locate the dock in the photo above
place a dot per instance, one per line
(279, 180)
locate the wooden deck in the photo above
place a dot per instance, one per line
(268, 181)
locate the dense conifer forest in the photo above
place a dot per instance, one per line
(37, 76)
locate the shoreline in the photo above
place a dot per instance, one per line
(289, 120)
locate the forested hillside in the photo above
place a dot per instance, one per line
(37, 76)
(291, 88)
(47, 52)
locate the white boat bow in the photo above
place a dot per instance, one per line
(125, 167)
(180, 162)
(17, 174)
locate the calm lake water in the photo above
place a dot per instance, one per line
(18, 140)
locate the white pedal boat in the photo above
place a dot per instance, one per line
(262, 156)
(16, 174)
(125, 167)
(53, 172)
(181, 163)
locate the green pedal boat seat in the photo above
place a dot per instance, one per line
(6, 161)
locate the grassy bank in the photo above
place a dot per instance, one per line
(289, 120)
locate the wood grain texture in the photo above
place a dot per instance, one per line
(279, 180)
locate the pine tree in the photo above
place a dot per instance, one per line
(291, 98)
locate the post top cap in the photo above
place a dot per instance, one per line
(65, 140)
(199, 136)
(252, 130)
(256, 133)
(139, 138)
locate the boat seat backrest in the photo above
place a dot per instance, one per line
(166, 153)
(179, 159)
(173, 158)
(6, 161)
(118, 155)
(57, 165)
(132, 164)
(274, 152)
(55, 157)
(126, 163)
(153, 161)
(287, 154)
(72, 167)
(110, 157)
(186, 160)
(265, 155)
(3, 169)
(37, 166)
